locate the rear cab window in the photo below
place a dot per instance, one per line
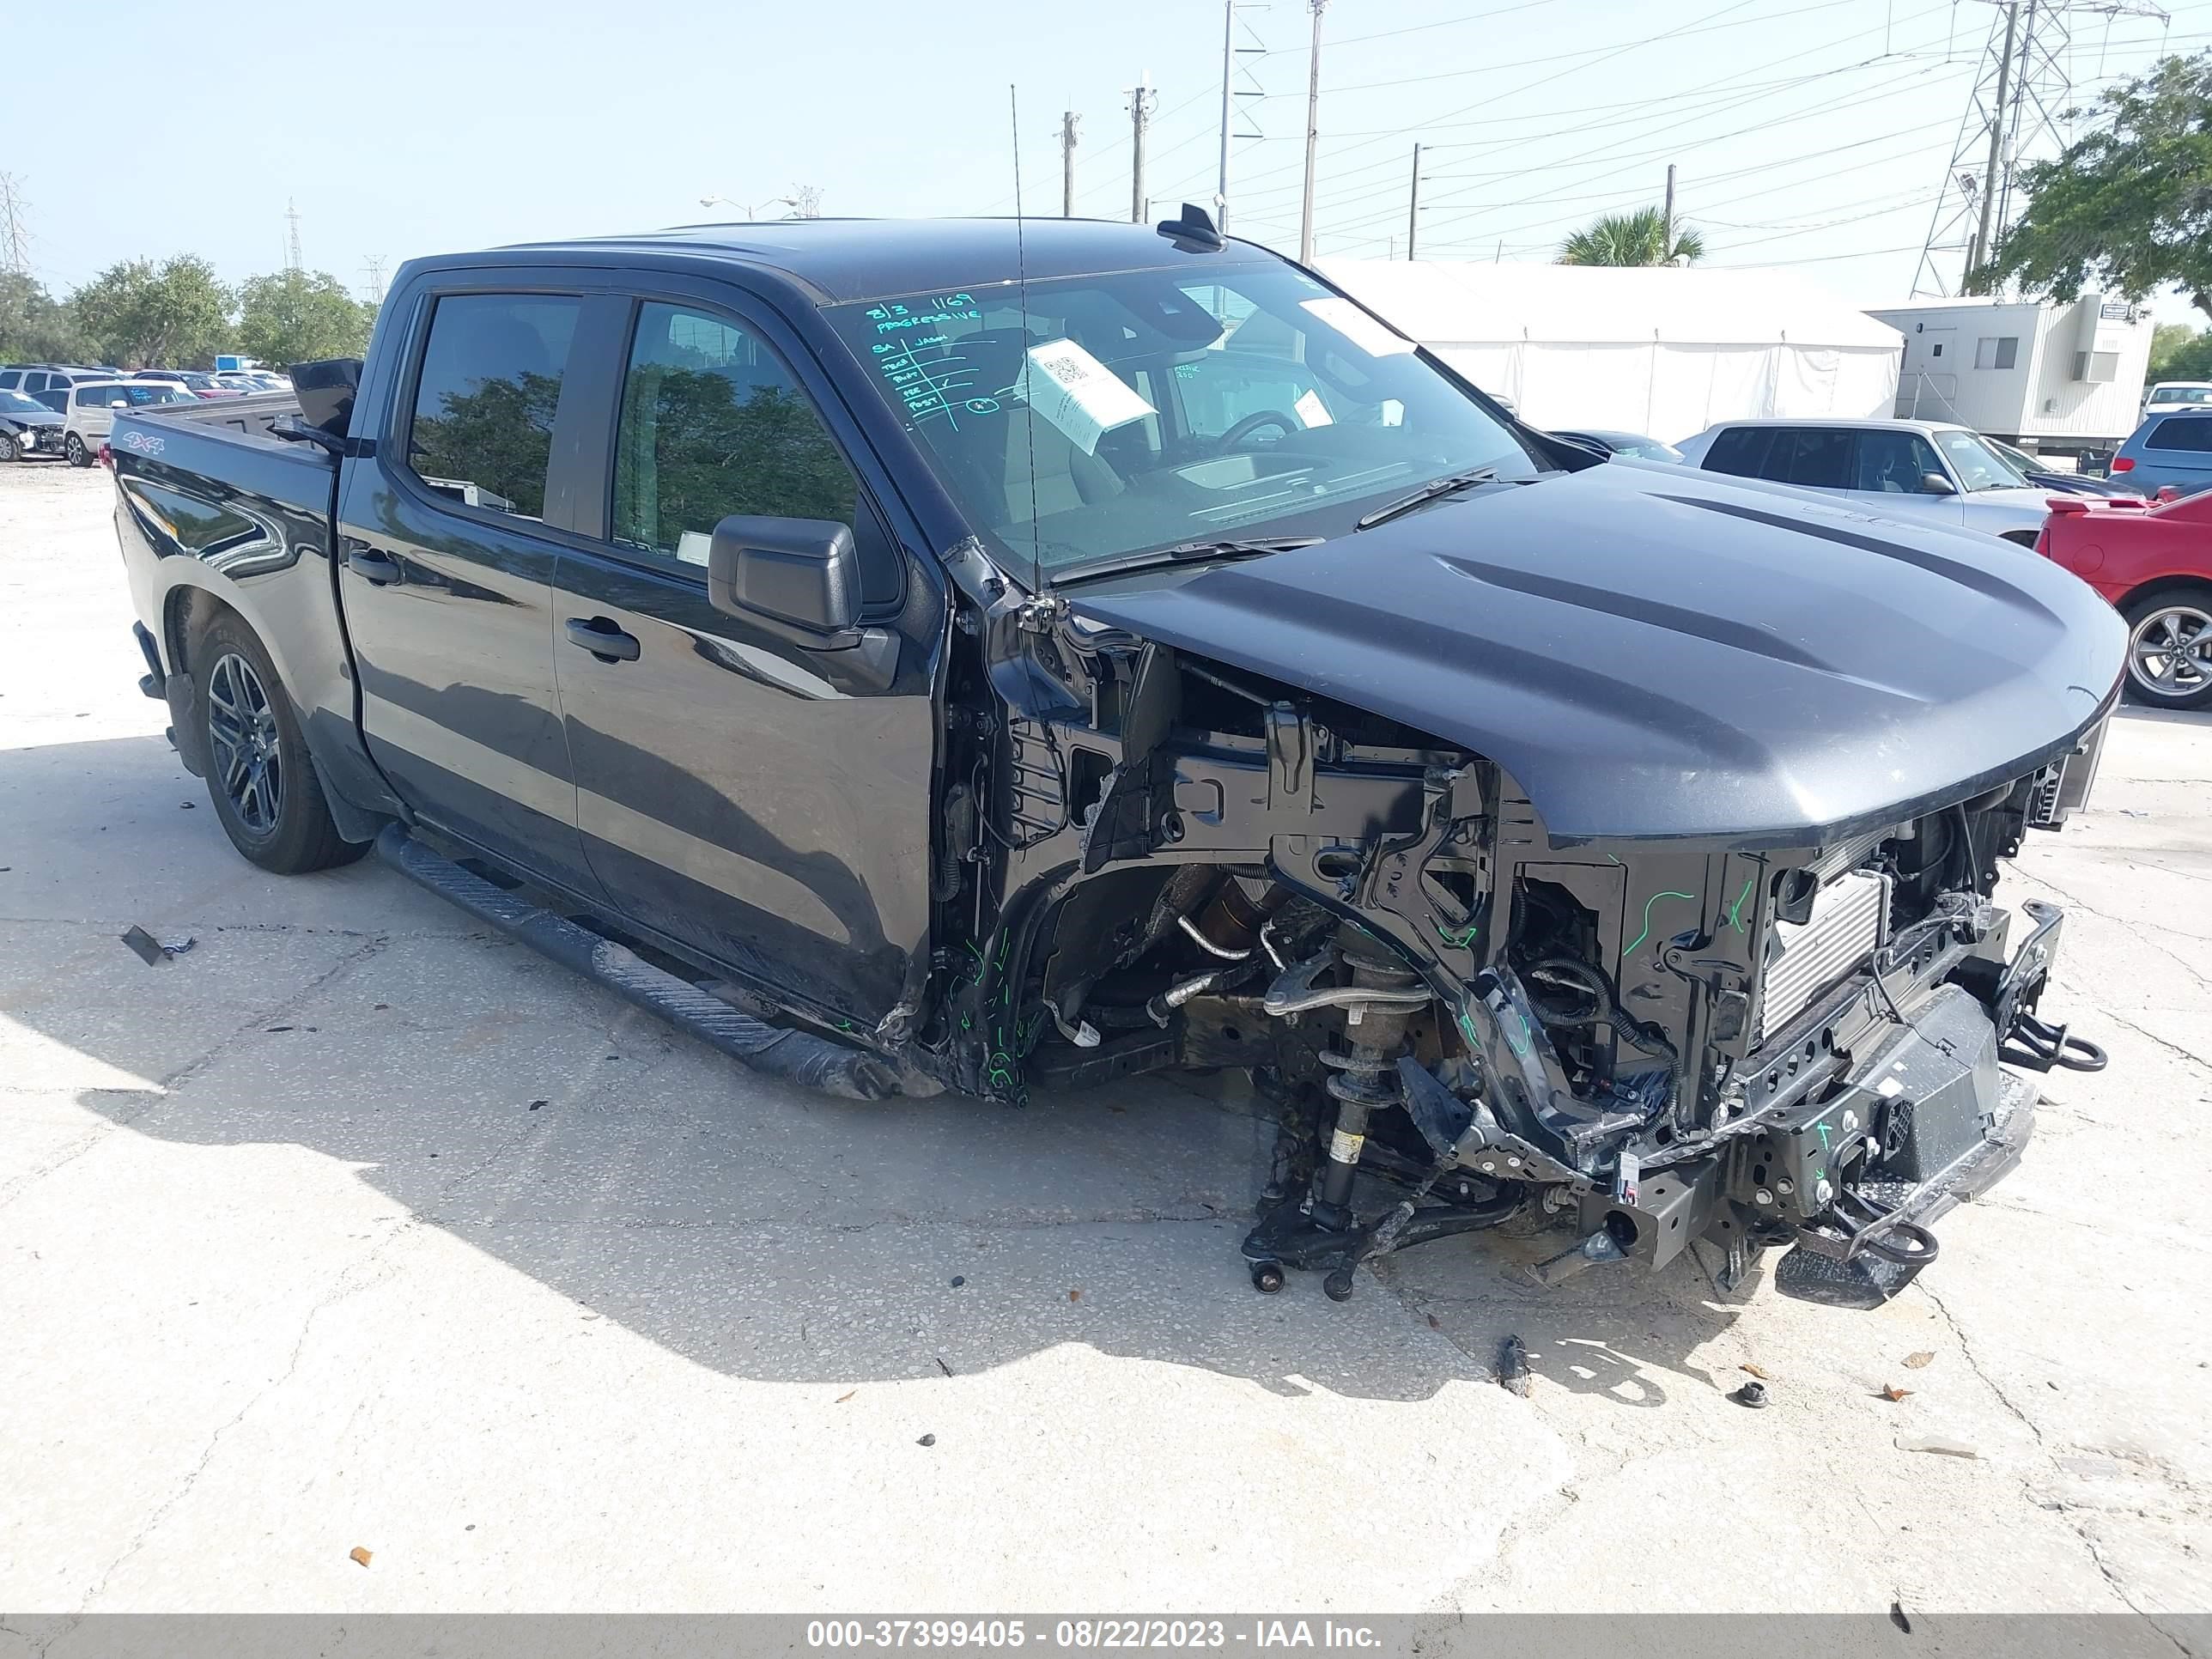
(480, 431)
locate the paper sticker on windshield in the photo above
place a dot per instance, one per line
(1078, 393)
(1375, 338)
(1310, 408)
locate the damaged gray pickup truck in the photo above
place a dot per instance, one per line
(1002, 656)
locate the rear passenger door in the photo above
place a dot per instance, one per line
(748, 794)
(447, 537)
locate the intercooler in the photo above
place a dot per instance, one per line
(1849, 920)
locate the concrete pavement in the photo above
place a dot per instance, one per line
(357, 1226)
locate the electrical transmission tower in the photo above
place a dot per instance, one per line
(371, 267)
(292, 239)
(2018, 112)
(15, 227)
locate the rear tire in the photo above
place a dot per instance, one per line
(73, 446)
(7, 450)
(260, 781)
(2170, 647)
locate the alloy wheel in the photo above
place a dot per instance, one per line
(243, 737)
(2170, 652)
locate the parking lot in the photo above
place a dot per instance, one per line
(355, 1227)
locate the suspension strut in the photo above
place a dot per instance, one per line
(1365, 1076)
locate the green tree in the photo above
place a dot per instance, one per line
(2129, 205)
(34, 326)
(2179, 353)
(139, 315)
(1630, 239)
(298, 316)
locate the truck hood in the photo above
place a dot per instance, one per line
(1649, 650)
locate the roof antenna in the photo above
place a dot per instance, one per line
(1029, 409)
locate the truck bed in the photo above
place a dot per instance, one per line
(214, 509)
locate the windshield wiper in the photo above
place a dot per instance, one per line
(1192, 552)
(1435, 489)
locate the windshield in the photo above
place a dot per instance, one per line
(2181, 394)
(15, 403)
(1978, 466)
(1143, 409)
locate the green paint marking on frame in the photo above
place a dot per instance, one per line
(1736, 910)
(1461, 939)
(1648, 903)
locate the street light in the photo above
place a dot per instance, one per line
(749, 209)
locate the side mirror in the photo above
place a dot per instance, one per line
(119, 403)
(802, 574)
(1935, 483)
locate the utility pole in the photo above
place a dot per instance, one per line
(372, 268)
(1313, 135)
(1666, 235)
(1978, 249)
(1230, 94)
(1143, 100)
(1067, 120)
(15, 227)
(292, 240)
(1413, 205)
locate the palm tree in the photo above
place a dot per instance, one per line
(1630, 239)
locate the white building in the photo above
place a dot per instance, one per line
(1661, 351)
(2054, 379)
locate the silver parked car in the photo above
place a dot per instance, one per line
(1927, 471)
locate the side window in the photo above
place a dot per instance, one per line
(1741, 451)
(2186, 432)
(1819, 458)
(481, 431)
(1894, 463)
(713, 424)
(10, 379)
(1996, 351)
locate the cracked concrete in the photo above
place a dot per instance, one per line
(356, 1225)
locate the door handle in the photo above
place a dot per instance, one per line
(370, 565)
(603, 639)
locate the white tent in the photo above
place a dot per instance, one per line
(1661, 350)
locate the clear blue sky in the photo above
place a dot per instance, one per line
(1809, 132)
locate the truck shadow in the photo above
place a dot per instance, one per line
(752, 1228)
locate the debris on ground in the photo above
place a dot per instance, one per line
(927, 1440)
(1752, 1394)
(1435, 1323)
(1919, 1361)
(843, 1397)
(1897, 1617)
(1759, 1371)
(1941, 1445)
(958, 1280)
(537, 1105)
(1513, 1367)
(360, 1553)
(1890, 1392)
(942, 1366)
(148, 947)
(177, 947)
(1075, 1296)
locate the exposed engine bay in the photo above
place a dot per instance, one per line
(1152, 860)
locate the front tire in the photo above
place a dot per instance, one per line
(73, 447)
(2170, 647)
(260, 781)
(7, 450)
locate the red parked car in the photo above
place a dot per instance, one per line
(2154, 561)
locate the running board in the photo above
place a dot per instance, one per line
(797, 1057)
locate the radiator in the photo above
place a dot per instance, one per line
(1850, 915)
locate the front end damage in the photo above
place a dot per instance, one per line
(1151, 860)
